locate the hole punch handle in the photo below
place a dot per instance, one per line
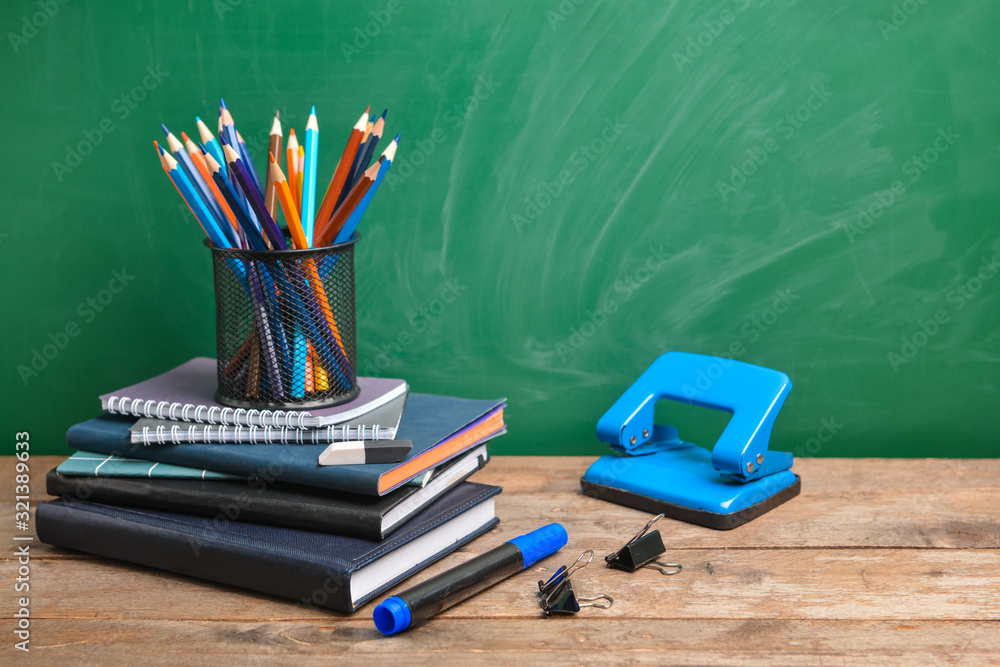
(753, 394)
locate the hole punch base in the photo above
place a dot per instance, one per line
(697, 516)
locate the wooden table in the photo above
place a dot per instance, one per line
(877, 562)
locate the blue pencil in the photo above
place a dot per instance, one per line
(210, 141)
(232, 196)
(201, 212)
(181, 155)
(308, 213)
(352, 222)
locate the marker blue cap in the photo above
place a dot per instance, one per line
(539, 543)
(392, 616)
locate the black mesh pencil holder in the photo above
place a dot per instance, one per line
(286, 327)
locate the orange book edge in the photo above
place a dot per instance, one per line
(439, 453)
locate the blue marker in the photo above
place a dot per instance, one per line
(444, 591)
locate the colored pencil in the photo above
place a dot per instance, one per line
(353, 174)
(310, 379)
(337, 182)
(206, 175)
(208, 139)
(284, 195)
(264, 332)
(253, 196)
(355, 217)
(227, 126)
(308, 215)
(181, 155)
(247, 160)
(194, 202)
(274, 148)
(368, 148)
(299, 241)
(292, 165)
(298, 175)
(300, 352)
(232, 196)
(326, 234)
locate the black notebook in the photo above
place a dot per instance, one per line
(311, 568)
(277, 504)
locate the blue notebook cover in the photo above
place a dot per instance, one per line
(427, 421)
(332, 571)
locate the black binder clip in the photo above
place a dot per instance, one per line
(559, 596)
(641, 551)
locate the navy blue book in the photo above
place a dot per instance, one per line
(440, 427)
(319, 569)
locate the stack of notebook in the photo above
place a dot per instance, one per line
(328, 507)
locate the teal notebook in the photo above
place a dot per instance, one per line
(89, 464)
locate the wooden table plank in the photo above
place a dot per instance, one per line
(877, 562)
(859, 513)
(557, 639)
(874, 584)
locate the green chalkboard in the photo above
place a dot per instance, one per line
(581, 186)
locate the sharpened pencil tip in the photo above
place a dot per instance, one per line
(384, 113)
(368, 109)
(202, 147)
(197, 119)
(397, 137)
(313, 112)
(222, 138)
(165, 130)
(222, 103)
(270, 156)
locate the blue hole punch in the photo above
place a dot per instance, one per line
(654, 470)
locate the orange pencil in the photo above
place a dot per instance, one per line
(292, 162)
(340, 175)
(287, 203)
(299, 240)
(199, 162)
(310, 384)
(328, 232)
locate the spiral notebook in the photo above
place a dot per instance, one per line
(379, 424)
(187, 393)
